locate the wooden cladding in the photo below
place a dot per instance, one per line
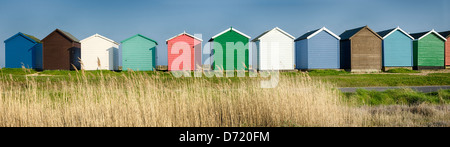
(366, 51)
(362, 51)
(60, 52)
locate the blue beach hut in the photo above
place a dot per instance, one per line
(23, 50)
(397, 48)
(318, 49)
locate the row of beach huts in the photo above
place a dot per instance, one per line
(359, 49)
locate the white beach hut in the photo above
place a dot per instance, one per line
(99, 53)
(275, 50)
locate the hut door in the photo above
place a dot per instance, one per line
(75, 56)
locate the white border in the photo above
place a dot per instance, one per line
(436, 33)
(184, 33)
(398, 28)
(103, 37)
(323, 29)
(229, 30)
(276, 28)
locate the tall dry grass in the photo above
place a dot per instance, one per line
(139, 99)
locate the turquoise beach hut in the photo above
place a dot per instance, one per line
(139, 53)
(397, 49)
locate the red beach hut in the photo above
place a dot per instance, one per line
(184, 52)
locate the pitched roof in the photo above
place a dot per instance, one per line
(184, 33)
(386, 33)
(100, 36)
(66, 34)
(29, 37)
(313, 33)
(277, 29)
(304, 36)
(445, 34)
(420, 35)
(230, 29)
(70, 36)
(139, 36)
(33, 38)
(350, 33)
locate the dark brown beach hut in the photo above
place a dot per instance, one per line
(61, 51)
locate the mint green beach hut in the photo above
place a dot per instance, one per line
(139, 53)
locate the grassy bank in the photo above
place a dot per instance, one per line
(380, 80)
(397, 97)
(337, 78)
(402, 70)
(394, 77)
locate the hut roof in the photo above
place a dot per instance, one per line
(139, 36)
(420, 35)
(227, 30)
(33, 38)
(29, 37)
(100, 36)
(277, 29)
(184, 33)
(445, 34)
(66, 34)
(350, 33)
(388, 32)
(313, 33)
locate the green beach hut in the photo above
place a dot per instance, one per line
(230, 46)
(428, 50)
(139, 53)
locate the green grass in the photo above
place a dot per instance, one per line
(327, 72)
(338, 78)
(373, 80)
(397, 97)
(56, 72)
(19, 76)
(402, 70)
(17, 71)
(88, 73)
(347, 79)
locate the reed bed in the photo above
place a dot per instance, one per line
(144, 100)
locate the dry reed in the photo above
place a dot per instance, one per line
(141, 100)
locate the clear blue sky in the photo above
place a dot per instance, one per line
(160, 20)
